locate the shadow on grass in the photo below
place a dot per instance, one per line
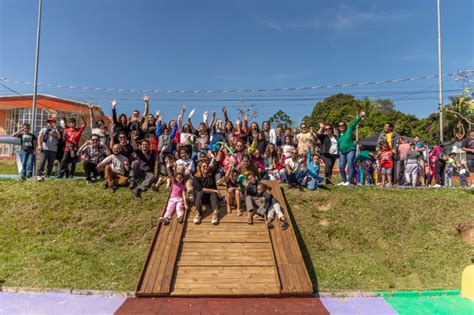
(302, 245)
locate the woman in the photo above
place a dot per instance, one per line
(329, 149)
(347, 149)
(205, 186)
(438, 164)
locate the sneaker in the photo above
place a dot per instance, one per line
(40, 178)
(191, 196)
(105, 184)
(133, 184)
(89, 182)
(437, 186)
(136, 192)
(346, 184)
(215, 219)
(284, 225)
(164, 220)
(112, 189)
(340, 184)
(197, 219)
(22, 178)
(180, 219)
(153, 187)
(270, 225)
(328, 182)
(93, 179)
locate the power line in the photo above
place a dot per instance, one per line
(251, 90)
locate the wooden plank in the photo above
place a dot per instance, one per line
(225, 246)
(172, 227)
(146, 274)
(292, 270)
(172, 261)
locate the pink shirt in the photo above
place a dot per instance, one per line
(403, 150)
(177, 189)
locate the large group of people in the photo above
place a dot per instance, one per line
(144, 153)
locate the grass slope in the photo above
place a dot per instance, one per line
(354, 239)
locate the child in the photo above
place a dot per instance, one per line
(185, 165)
(177, 201)
(386, 165)
(450, 166)
(365, 162)
(463, 175)
(28, 143)
(233, 191)
(412, 167)
(313, 180)
(269, 206)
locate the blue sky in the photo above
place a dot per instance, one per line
(236, 44)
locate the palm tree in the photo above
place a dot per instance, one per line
(462, 108)
(368, 106)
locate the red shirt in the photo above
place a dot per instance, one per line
(72, 137)
(386, 158)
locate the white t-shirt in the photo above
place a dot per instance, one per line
(334, 149)
(287, 150)
(186, 138)
(294, 165)
(117, 163)
(185, 166)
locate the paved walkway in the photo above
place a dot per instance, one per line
(403, 303)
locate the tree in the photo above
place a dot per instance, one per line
(281, 119)
(462, 110)
(249, 111)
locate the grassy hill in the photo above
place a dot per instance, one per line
(66, 234)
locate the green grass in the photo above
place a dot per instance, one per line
(8, 167)
(65, 234)
(383, 239)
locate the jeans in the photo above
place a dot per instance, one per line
(27, 163)
(47, 159)
(295, 178)
(69, 158)
(347, 158)
(137, 173)
(314, 182)
(203, 198)
(90, 169)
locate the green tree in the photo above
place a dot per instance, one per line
(462, 110)
(281, 119)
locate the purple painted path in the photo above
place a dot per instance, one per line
(58, 303)
(358, 305)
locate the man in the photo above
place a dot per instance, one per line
(72, 136)
(247, 168)
(92, 153)
(48, 144)
(403, 149)
(294, 170)
(142, 168)
(468, 147)
(115, 167)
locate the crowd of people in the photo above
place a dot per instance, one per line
(144, 153)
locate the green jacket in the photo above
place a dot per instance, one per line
(345, 140)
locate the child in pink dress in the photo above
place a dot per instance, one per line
(177, 201)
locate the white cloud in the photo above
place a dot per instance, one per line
(339, 19)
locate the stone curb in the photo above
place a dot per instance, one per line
(66, 291)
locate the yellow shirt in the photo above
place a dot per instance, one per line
(389, 140)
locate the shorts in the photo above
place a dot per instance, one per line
(386, 170)
(470, 165)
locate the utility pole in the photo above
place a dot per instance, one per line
(440, 78)
(35, 83)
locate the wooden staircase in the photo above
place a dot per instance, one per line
(230, 259)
